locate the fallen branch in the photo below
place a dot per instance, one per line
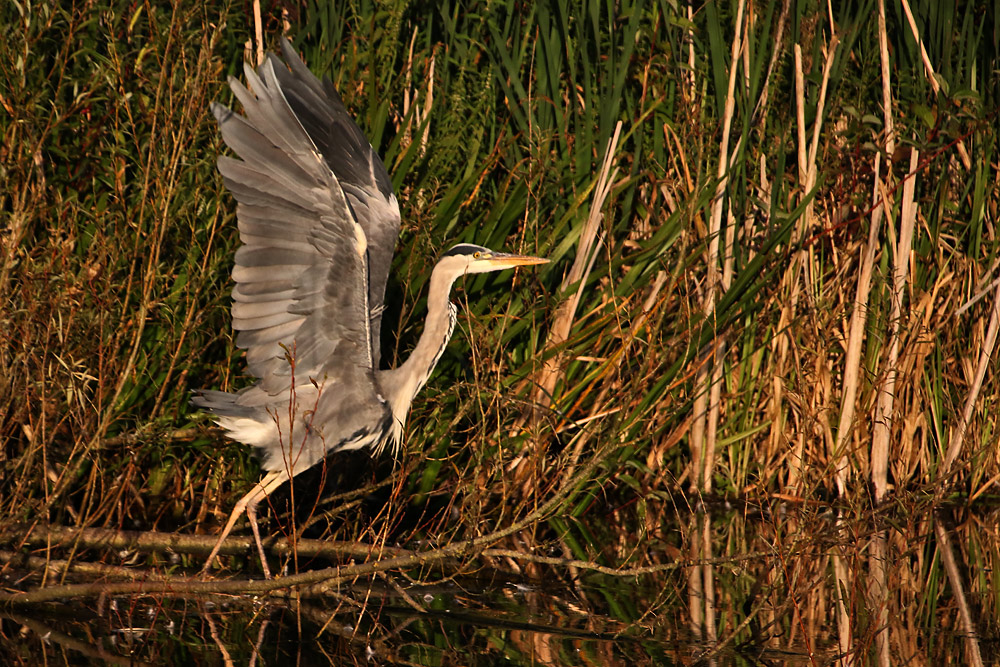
(319, 580)
(134, 540)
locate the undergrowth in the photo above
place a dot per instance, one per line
(691, 332)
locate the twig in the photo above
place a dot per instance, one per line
(92, 570)
(622, 571)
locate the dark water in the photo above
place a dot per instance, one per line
(462, 622)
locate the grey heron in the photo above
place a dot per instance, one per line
(318, 222)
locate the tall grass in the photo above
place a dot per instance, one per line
(713, 276)
(112, 268)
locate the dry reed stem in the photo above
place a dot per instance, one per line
(803, 262)
(855, 340)
(802, 154)
(258, 31)
(409, 93)
(878, 591)
(760, 110)
(696, 594)
(920, 44)
(708, 578)
(689, 74)
(963, 154)
(973, 657)
(696, 441)
(428, 105)
(985, 354)
(808, 171)
(852, 362)
(807, 151)
(830, 50)
(421, 113)
(714, 413)
(887, 117)
(842, 593)
(586, 254)
(705, 408)
(781, 344)
(885, 403)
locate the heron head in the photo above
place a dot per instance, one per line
(469, 258)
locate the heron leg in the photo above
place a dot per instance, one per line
(248, 504)
(252, 518)
(268, 484)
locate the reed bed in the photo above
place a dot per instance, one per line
(773, 284)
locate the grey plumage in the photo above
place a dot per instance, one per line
(318, 224)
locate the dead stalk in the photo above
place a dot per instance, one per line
(882, 428)
(706, 413)
(963, 153)
(985, 355)
(586, 254)
(878, 592)
(973, 657)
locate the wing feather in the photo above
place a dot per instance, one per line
(269, 290)
(252, 309)
(358, 168)
(302, 272)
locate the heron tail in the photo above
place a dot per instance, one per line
(221, 403)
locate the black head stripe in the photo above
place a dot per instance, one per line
(465, 249)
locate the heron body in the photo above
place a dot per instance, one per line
(318, 223)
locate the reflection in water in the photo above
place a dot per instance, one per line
(784, 583)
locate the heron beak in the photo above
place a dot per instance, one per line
(503, 260)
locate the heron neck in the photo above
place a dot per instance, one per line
(399, 385)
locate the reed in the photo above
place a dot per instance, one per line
(774, 276)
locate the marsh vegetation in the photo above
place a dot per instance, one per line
(748, 414)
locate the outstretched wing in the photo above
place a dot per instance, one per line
(302, 273)
(360, 171)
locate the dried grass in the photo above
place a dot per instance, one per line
(725, 311)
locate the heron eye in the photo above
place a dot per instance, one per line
(476, 255)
